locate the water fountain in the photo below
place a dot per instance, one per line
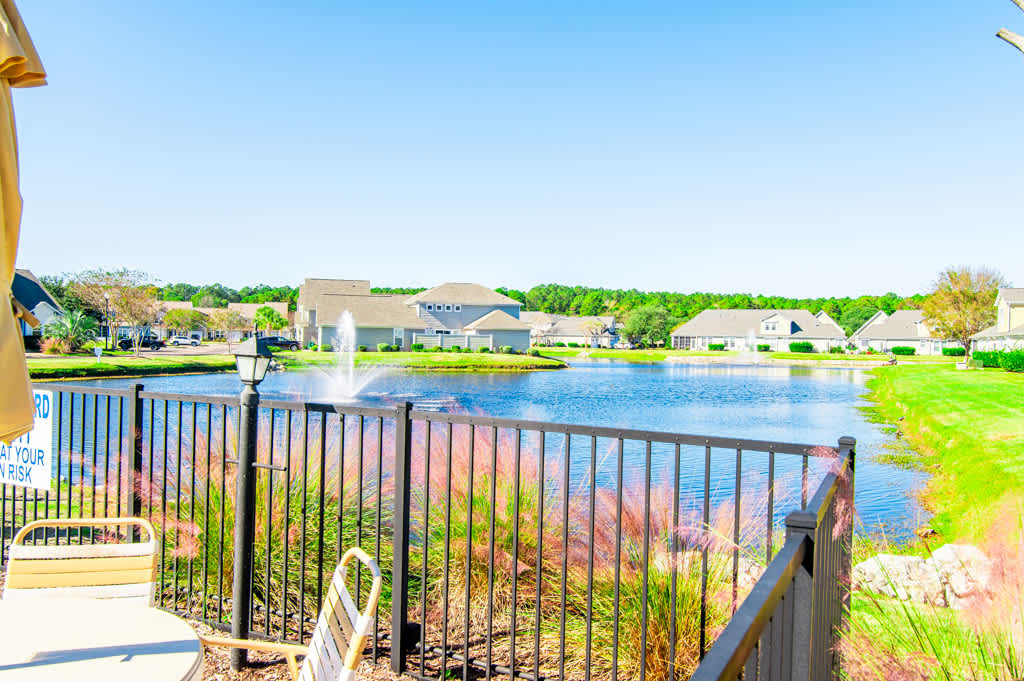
(344, 381)
(749, 352)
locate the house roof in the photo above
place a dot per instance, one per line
(992, 332)
(578, 326)
(536, 318)
(30, 292)
(465, 294)
(901, 324)
(742, 322)
(249, 309)
(879, 316)
(311, 289)
(372, 311)
(1013, 296)
(498, 320)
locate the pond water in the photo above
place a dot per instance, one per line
(790, 404)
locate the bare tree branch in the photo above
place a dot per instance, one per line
(1014, 39)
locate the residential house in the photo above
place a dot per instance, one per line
(590, 331)
(246, 310)
(32, 296)
(1008, 331)
(452, 309)
(746, 329)
(376, 318)
(905, 328)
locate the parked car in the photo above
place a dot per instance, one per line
(183, 340)
(146, 342)
(282, 342)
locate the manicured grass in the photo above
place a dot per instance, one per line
(879, 357)
(968, 430)
(659, 355)
(124, 364)
(445, 361)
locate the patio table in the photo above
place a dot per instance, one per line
(58, 638)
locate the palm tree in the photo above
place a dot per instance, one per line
(74, 329)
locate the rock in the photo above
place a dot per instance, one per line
(925, 532)
(946, 579)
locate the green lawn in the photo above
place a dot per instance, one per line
(124, 364)
(659, 355)
(878, 357)
(445, 361)
(968, 430)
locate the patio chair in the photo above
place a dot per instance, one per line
(341, 632)
(42, 569)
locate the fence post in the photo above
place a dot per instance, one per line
(805, 641)
(848, 448)
(400, 538)
(134, 485)
(245, 522)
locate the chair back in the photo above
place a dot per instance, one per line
(341, 630)
(102, 569)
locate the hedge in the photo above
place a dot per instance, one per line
(763, 347)
(417, 347)
(1012, 360)
(559, 344)
(383, 347)
(326, 348)
(954, 352)
(362, 348)
(837, 350)
(716, 346)
(574, 345)
(533, 352)
(506, 349)
(988, 359)
(901, 350)
(483, 349)
(801, 346)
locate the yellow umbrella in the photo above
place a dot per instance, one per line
(19, 67)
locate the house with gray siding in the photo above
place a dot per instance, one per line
(29, 293)
(746, 329)
(903, 328)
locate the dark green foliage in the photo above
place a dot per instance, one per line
(396, 348)
(417, 347)
(406, 290)
(716, 346)
(361, 348)
(383, 347)
(901, 350)
(988, 359)
(215, 295)
(953, 352)
(838, 350)
(855, 315)
(1012, 360)
(456, 348)
(533, 352)
(273, 348)
(177, 292)
(467, 349)
(574, 345)
(261, 293)
(763, 347)
(326, 348)
(437, 348)
(511, 293)
(649, 325)
(559, 344)
(801, 346)
(483, 350)
(506, 350)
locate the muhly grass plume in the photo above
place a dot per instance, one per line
(892, 640)
(574, 563)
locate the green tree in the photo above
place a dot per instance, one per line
(178, 292)
(215, 295)
(962, 303)
(73, 329)
(228, 320)
(854, 316)
(269, 318)
(131, 295)
(649, 325)
(185, 320)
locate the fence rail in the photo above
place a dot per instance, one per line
(510, 547)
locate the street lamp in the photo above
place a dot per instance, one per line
(106, 318)
(253, 359)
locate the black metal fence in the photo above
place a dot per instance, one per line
(509, 548)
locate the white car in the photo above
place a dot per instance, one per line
(183, 340)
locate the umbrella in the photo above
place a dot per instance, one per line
(19, 67)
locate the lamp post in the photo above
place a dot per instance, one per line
(106, 318)
(252, 359)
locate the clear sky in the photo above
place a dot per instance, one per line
(793, 148)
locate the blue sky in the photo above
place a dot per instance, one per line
(793, 148)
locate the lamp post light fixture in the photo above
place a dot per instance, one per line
(253, 359)
(106, 318)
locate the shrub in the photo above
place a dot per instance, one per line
(52, 346)
(396, 348)
(506, 350)
(987, 359)
(456, 348)
(559, 344)
(1012, 360)
(838, 350)
(953, 352)
(574, 345)
(902, 350)
(417, 347)
(467, 349)
(533, 352)
(483, 349)
(763, 347)
(383, 347)
(326, 347)
(801, 346)
(716, 346)
(361, 348)
(437, 348)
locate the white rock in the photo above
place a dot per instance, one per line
(947, 578)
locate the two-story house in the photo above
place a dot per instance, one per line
(1008, 331)
(746, 329)
(905, 328)
(468, 310)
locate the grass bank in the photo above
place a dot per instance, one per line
(967, 428)
(628, 355)
(663, 354)
(72, 366)
(442, 361)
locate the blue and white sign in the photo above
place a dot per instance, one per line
(26, 462)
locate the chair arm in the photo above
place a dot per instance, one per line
(83, 522)
(289, 650)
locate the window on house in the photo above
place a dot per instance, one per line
(430, 307)
(448, 307)
(458, 308)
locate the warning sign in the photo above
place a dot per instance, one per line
(27, 461)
